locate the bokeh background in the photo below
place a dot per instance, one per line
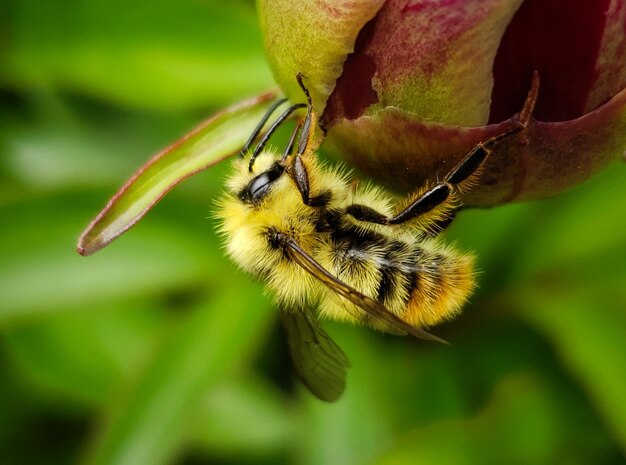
(157, 350)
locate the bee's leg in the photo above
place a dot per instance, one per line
(307, 130)
(297, 170)
(441, 224)
(441, 197)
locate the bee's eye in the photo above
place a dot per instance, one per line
(259, 186)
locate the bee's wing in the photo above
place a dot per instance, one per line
(319, 362)
(373, 309)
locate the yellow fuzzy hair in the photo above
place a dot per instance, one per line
(445, 276)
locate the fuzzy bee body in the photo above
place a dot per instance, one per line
(416, 278)
(326, 246)
(421, 281)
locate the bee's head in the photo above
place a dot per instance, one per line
(263, 168)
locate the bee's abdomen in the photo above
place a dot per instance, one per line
(422, 283)
(397, 268)
(441, 283)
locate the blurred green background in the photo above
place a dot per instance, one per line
(157, 350)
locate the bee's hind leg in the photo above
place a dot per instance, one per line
(439, 202)
(296, 169)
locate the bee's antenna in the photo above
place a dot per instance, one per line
(259, 126)
(291, 142)
(271, 130)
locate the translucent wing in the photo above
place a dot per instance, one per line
(373, 309)
(319, 362)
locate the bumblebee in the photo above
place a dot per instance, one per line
(326, 246)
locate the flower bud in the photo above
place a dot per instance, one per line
(406, 88)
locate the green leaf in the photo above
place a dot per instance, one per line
(79, 357)
(40, 274)
(172, 55)
(59, 142)
(213, 141)
(525, 421)
(150, 423)
(246, 417)
(353, 429)
(580, 225)
(587, 331)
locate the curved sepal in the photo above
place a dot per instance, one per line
(214, 140)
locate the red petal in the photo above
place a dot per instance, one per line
(431, 58)
(560, 39)
(611, 66)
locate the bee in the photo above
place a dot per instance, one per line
(327, 247)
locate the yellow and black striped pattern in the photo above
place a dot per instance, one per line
(416, 277)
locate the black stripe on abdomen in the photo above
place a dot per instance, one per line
(415, 282)
(387, 284)
(396, 271)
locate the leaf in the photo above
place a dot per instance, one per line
(174, 55)
(213, 141)
(586, 328)
(585, 224)
(525, 421)
(354, 428)
(227, 421)
(40, 274)
(63, 143)
(149, 424)
(78, 357)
